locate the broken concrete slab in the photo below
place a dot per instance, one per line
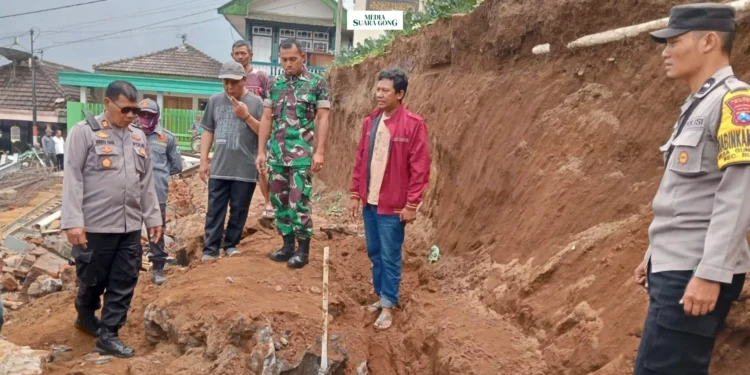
(17, 245)
(21, 360)
(44, 286)
(50, 264)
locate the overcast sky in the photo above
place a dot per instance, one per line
(208, 31)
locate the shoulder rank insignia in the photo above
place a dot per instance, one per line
(105, 124)
(141, 151)
(137, 138)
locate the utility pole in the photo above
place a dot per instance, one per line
(338, 26)
(33, 81)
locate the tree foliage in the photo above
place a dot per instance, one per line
(434, 10)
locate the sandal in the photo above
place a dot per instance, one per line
(375, 307)
(384, 322)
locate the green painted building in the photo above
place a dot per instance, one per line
(180, 79)
(264, 23)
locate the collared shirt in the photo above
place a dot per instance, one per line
(295, 101)
(702, 207)
(165, 158)
(108, 185)
(48, 145)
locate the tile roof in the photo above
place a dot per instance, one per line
(16, 87)
(184, 60)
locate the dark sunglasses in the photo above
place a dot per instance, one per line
(125, 110)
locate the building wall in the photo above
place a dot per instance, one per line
(361, 35)
(309, 8)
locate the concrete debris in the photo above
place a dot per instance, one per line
(50, 264)
(97, 358)
(315, 290)
(229, 280)
(9, 282)
(21, 360)
(16, 244)
(44, 286)
(362, 368)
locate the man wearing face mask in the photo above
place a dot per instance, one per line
(166, 161)
(108, 194)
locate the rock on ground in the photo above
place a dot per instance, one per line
(21, 360)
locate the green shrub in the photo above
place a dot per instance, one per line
(413, 21)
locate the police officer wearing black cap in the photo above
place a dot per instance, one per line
(698, 253)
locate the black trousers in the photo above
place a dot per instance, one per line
(60, 162)
(674, 343)
(110, 263)
(157, 255)
(237, 194)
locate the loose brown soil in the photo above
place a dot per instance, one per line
(543, 169)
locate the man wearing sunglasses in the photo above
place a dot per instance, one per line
(166, 159)
(230, 122)
(108, 193)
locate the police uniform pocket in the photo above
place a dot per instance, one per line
(140, 159)
(85, 267)
(687, 155)
(682, 344)
(107, 158)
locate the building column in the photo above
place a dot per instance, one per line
(83, 94)
(160, 99)
(195, 102)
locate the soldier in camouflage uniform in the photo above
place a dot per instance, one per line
(295, 100)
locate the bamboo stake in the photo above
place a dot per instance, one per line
(628, 31)
(324, 342)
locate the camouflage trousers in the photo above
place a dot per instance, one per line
(290, 190)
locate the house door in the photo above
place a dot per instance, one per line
(177, 102)
(262, 48)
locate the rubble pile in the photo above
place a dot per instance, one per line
(36, 273)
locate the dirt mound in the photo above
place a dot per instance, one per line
(544, 167)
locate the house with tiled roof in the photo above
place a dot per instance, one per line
(265, 23)
(181, 79)
(16, 99)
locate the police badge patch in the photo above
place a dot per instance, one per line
(740, 107)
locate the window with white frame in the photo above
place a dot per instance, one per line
(320, 47)
(304, 34)
(263, 30)
(286, 33)
(320, 36)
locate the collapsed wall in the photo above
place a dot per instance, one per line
(544, 165)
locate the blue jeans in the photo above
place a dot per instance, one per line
(384, 235)
(672, 342)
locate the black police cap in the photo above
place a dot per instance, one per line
(703, 16)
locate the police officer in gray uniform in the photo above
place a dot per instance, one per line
(167, 161)
(698, 254)
(108, 193)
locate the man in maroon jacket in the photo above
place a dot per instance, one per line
(391, 173)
